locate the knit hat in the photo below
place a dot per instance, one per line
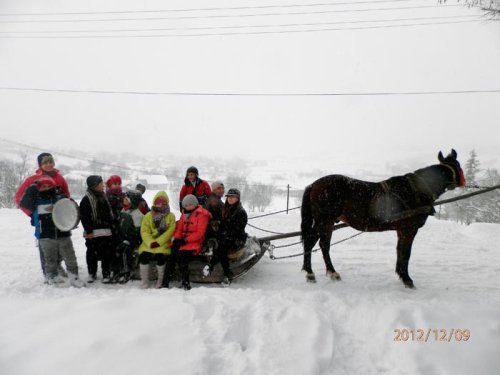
(135, 198)
(45, 180)
(93, 181)
(189, 199)
(114, 180)
(217, 184)
(192, 170)
(233, 193)
(141, 188)
(44, 157)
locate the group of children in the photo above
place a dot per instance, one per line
(122, 232)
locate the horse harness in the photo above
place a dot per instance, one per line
(419, 190)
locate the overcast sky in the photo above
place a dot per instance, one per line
(328, 130)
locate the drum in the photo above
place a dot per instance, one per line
(65, 214)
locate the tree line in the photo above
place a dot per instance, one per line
(483, 208)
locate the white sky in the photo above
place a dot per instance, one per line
(333, 130)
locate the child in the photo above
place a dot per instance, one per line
(99, 232)
(129, 231)
(38, 201)
(189, 236)
(115, 194)
(157, 229)
(46, 168)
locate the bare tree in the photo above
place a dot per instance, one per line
(8, 184)
(490, 7)
(260, 196)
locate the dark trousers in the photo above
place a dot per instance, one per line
(220, 255)
(103, 249)
(184, 257)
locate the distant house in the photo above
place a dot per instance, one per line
(154, 181)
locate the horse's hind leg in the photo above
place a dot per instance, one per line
(324, 243)
(405, 241)
(309, 242)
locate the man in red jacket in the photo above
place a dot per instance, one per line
(194, 185)
(46, 168)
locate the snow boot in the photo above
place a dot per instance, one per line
(75, 281)
(186, 285)
(161, 274)
(144, 270)
(226, 281)
(91, 278)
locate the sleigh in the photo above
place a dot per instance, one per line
(240, 262)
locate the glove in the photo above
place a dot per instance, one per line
(154, 245)
(178, 242)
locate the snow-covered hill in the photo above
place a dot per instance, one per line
(268, 322)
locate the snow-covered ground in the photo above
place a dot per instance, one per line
(268, 322)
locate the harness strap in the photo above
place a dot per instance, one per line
(453, 172)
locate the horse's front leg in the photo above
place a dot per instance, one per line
(405, 241)
(309, 243)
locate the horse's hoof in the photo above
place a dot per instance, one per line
(409, 284)
(333, 275)
(310, 278)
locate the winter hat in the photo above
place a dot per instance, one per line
(192, 170)
(135, 198)
(141, 188)
(233, 193)
(93, 181)
(45, 180)
(160, 198)
(189, 199)
(44, 157)
(217, 184)
(114, 180)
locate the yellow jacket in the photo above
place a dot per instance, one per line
(150, 234)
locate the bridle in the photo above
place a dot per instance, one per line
(457, 178)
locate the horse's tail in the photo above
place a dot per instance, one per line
(306, 225)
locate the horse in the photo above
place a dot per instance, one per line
(401, 203)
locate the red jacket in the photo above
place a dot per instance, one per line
(200, 190)
(56, 176)
(193, 230)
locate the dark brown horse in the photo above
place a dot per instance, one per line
(401, 203)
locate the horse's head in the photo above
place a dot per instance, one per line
(456, 173)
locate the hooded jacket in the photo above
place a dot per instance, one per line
(150, 234)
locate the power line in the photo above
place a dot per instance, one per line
(241, 26)
(238, 33)
(202, 9)
(396, 93)
(231, 15)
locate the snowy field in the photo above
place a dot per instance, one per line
(268, 322)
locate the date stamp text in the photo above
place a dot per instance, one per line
(431, 334)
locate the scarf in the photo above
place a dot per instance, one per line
(159, 218)
(95, 198)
